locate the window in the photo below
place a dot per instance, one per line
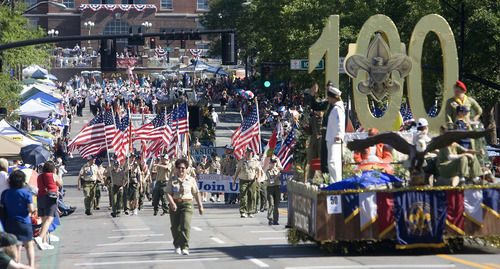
(167, 4)
(134, 2)
(117, 27)
(69, 3)
(199, 25)
(203, 4)
(34, 23)
(205, 47)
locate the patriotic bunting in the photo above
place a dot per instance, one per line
(125, 8)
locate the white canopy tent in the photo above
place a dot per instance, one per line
(8, 130)
(36, 109)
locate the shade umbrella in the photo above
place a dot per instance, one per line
(47, 82)
(282, 109)
(50, 76)
(34, 154)
(31, 176)
(42, 133)
(56, 122)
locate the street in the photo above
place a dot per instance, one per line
(219, 238)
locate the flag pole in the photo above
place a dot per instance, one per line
(258, 123)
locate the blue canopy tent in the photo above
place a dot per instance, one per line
(196, 66)
(45, 98)
(217, 70)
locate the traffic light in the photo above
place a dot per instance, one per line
(267, 75)
(152, 43)
(136, 30)
(108, 55)
(229, 48)
(183, 44)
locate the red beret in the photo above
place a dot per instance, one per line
(460, 84)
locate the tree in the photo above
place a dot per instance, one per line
(281, 30)
(15, 27)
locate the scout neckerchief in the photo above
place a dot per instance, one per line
(462, 103)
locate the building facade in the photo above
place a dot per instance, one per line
(116, 16)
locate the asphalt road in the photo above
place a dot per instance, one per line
(219, 238)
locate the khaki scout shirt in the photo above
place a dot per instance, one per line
(89, 172)
(214, 167)
(182, 189)
(229, 168)
(248, 170)
(164, 173)
(272, 176)
(117, 176)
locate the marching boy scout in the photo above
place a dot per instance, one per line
(88, 177)
(134, 187)
(181, 190)
(118, 176)
(248, 171)
(164, 171)
(273, 191)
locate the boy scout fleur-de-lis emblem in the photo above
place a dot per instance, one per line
(379, 64)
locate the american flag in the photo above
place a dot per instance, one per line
(181, 118)
(433, 111)
(248, 135)
(96, 136)
(285, 154)
(173, 146)
(122, 137)
(406, 114)
(152, 130)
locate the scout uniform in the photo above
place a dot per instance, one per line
(133, 184)
(98, 187)
(118, 177)
(273, 194)
(182, 192)
(248, 172)
(228, 168)
(462, 166)
(162, 177)
(88, 175)
(451, 109)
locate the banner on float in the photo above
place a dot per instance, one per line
(221, 183)
(217, 183)
(197, 153)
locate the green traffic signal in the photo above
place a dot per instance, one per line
(267, 84)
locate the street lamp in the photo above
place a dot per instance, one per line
(148, 26)
(52, 33)
(89, 25)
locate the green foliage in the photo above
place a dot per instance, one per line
(15, 27)
(9, 91)
(280, 30)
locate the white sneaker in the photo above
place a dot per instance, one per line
(53, 238)
(47, 245)
(185, 252)
(38, 241)
(204, 200)
(212, 199)
(218, 200)
(136, 212)
(178, 251)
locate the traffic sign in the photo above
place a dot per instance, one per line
(304, 65)
(168, 49)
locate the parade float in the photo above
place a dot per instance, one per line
(365, 215)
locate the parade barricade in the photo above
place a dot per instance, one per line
(413, 217)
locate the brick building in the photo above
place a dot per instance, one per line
(116, 16)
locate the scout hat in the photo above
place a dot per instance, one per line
(461, 85)
(462, 109)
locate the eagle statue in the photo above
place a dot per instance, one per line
(416, 152)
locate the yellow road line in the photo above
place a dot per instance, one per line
(492, 264)
(463, 261)
(282, 211)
